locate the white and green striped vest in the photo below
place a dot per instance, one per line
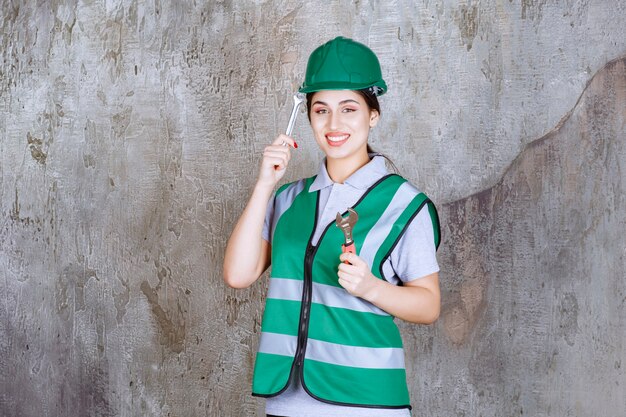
(350, 351)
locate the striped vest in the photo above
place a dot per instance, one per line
(349, 350)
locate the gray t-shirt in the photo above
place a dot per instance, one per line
(413, 257)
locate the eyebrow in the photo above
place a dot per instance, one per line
(340, 103)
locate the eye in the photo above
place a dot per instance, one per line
(320, 110)
(349, 109)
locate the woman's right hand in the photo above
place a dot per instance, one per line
(275, 160)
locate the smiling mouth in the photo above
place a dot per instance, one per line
(337, 140)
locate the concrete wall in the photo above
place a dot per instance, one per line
(130, 135)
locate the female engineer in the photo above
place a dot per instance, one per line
(329, 345)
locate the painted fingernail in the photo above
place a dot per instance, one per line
(295, 144)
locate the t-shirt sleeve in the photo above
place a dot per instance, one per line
(269, 215)
(415, 255)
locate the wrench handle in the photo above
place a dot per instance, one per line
(350, 248)
(298, 99)
(292, 119)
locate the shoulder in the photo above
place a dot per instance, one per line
(289, 191)
(418, 210)
(298, 184)
(406, 193)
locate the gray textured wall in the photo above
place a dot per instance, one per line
(130, 137)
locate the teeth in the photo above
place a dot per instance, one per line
(337, 138)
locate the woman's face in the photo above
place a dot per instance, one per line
(341, 120)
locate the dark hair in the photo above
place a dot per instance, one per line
(372, 103)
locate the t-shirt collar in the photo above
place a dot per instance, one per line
(363, 178)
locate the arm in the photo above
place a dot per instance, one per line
(247, 253)
(418, 301)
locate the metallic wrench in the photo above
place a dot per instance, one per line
(298, 99)
(346, 225)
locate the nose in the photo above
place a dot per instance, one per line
(334, 120)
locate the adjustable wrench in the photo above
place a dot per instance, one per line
(346, 225)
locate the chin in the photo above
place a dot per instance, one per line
(340, 155)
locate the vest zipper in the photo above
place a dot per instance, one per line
(311, 250)
(303, 331)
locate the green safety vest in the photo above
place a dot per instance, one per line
(349, 350)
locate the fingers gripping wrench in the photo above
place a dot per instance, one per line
(346, 225)
(298, 99)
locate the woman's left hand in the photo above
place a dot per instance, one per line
(356, 276)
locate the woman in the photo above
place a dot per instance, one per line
(329, 346)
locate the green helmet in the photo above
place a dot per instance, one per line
(343, 64)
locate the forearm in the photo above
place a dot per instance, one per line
(414, 304)
(243, 263)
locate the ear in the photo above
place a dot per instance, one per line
(374, 116)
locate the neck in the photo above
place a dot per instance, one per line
(340, 169)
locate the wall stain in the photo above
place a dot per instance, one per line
(170, 312)
(27, 220)
(64, 19)
(465, 229)
(121, 300)
(568, 317)
(467, 21)
(233, 306)
(120, 122)
(112, 41)
(172, 334)
(406, 37)
(35, 145)
(70, 288)
(532, 9)
(92, 395)
(89, 161)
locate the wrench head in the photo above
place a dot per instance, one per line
(352, 217)
(346, 224)
(299, 98)
(348, 221)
